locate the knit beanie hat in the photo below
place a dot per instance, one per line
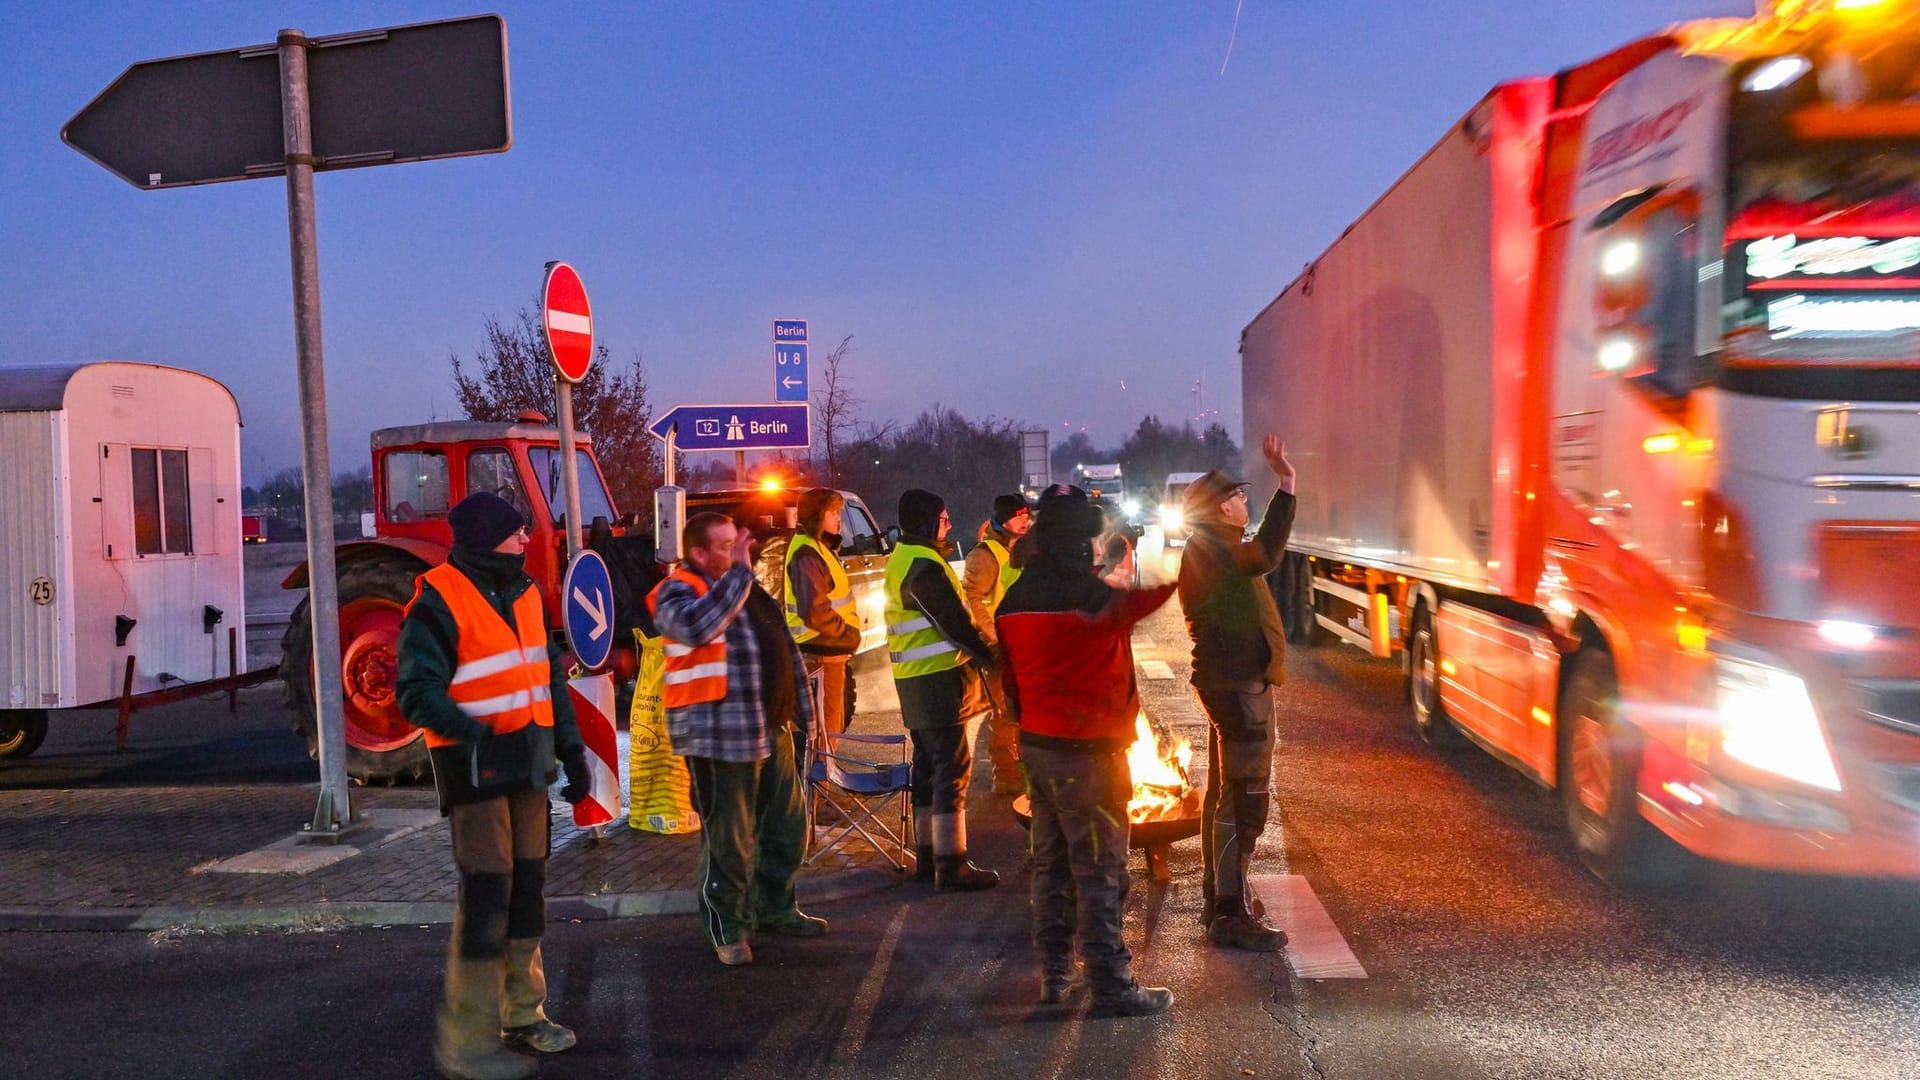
(1006, 507)
(920, 513)
(1067, 519)
(482, 520)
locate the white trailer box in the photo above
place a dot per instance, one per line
(119, 531)
(1375, 366)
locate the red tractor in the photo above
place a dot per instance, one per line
(419, 472)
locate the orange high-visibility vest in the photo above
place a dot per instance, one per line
(694, 673)
(501, 677)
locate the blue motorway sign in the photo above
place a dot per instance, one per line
(735, 427)
(587, 595)
(785, 330)
(789, 372)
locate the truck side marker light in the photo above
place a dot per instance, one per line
(1447, 668)
(1691, 635)
(1542, 716)
(1660, 444)
(1620, 259)
(1683, 792)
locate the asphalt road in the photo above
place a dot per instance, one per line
(1487, 951)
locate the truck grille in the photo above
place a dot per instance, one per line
(1892, 704)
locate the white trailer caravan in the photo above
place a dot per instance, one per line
(119, 538)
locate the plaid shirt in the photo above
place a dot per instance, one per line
(735, 727)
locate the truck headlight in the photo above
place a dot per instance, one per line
(1767, 721)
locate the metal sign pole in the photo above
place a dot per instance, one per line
(740, 467)
(334, 811)
(569, 470)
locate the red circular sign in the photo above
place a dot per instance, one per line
(568, 320)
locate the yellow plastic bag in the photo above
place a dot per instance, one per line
(659, 794)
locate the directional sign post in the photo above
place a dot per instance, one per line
(588, 595)
(567, 319)
(735, 427)
(789, 360)
(297, 106)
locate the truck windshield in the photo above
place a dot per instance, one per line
(1823, 227)
(594, 501)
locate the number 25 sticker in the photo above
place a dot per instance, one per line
(41, 590)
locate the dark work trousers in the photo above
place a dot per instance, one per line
(1239, 767)
(942, 762)
(753, 834)
(1079, 842)
(500, 847)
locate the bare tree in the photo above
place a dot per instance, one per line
(515, 372)
(836, 406)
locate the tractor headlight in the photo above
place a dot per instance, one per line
(1767, 720)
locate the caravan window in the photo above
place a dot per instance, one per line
(162, 522)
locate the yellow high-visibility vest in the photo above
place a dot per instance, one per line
(913, 643)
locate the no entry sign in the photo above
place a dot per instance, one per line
(568, 320)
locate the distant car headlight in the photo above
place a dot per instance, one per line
(1171, 517)
(1131, 507)
(1767, 720)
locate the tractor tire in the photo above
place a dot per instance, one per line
(21, 732)
(381, 746)
(1599, 770)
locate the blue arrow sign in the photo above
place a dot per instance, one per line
(789, 372)
(736, 427)
(587, 595)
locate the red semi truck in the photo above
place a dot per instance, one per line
(1608, 422)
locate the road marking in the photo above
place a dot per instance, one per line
(1315, 949)
(866, 997)
(1155, 669)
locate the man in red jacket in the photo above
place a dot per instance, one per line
(1067, 666)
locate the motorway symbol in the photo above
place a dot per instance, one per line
(735, 427)
(379, 97)
(568, 320)
(789, 372)
(588, 595)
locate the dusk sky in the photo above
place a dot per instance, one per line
(1061, 213)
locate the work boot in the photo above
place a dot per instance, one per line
(1058, 987)
(1245, 932)
(953, 873)
(923, 863)
(734, 954)
(467, 1043)
(542, 1036)
(1133, 1000)
(795, 923)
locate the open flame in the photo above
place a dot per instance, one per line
(1162, 785)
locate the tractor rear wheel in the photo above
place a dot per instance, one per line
(21, 732)
(381, 746)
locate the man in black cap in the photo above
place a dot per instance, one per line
(478, 673)
(1239, 655)
(989, 571)
(938, 661)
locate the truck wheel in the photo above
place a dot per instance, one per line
(1423, 682)
(1293, 591)
(21, 732)
(381, 746)
(1599, 768)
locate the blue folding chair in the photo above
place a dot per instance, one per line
(859, 786)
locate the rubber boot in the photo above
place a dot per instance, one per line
(951, 870)
(467, 1044)
(523, 1020)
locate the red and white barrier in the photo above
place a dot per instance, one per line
(593, 705)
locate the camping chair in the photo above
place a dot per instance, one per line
(859, 786)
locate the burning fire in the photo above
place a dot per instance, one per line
(1162, 786)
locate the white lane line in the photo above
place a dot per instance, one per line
(1155, 669)
(1315, 948)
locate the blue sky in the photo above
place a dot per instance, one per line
(1061, 213)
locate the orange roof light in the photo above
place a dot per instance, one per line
(771, 483)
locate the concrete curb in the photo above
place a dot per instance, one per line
(338, 915)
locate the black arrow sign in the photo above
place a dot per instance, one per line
(379, 97)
